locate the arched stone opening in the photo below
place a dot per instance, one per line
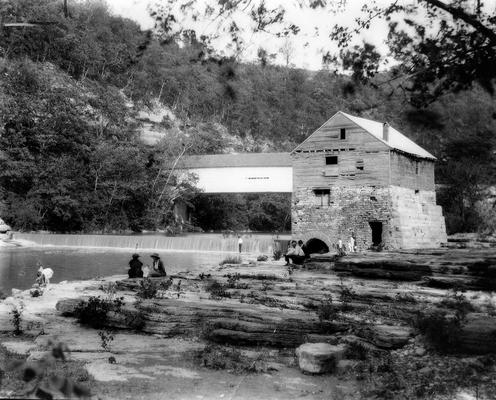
(316, 246)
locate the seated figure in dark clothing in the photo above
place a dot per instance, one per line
(135, 265)
(294, 254)
(157, 266)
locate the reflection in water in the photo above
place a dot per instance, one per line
(18, 265)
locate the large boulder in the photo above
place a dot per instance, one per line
(319, 358)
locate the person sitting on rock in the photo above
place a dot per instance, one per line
(295, 254)
(304, 248)
(157, 266)
(135, 265)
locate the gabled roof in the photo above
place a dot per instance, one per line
(235, 160)
(397, 141)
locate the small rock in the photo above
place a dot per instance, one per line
(419, 351)
(319, 358)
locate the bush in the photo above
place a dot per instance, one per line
(231, 260)
(326, 310)
(17, 318)
(356, 351)
(93, 312)
(458, 302)
(346, 295)
(441, 330)
(232, 280)
(277, 254)
(150, 289)
(229, 358)
(405, 298)
(262, 257)
(217, 290)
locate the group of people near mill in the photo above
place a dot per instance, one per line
(298, 252)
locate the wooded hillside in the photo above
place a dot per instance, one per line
(71, 158)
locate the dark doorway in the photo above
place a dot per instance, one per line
(316, 246)
(376, 227)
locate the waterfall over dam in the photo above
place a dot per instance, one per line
(257, 244)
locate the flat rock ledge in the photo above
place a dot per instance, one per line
(319, 358)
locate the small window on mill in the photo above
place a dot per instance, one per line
(359, 165)
(323, 196)
(342, 133)
(416, 167)
(331, 160)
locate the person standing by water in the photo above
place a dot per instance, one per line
(340, 248)
(240, 243)
(135, 265)
(157, 266)
(351, 244)
(43, 275)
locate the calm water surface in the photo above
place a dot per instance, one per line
(18, 265)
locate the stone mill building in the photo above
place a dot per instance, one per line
(354, 176)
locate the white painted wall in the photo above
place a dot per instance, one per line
(244, 179)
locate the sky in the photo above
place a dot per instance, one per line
(307, 47)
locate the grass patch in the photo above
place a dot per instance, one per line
(231, 359)
(441, 330)
(357, 351)
(326, 310)
(407, 377)
(153, 289)
(405, 298)
(217, 290)
(231, 260)
(277, 254)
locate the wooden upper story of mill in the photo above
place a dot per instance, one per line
(352, 151)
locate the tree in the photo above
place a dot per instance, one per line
(440, 45)
(465, 171)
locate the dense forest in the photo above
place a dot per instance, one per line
(71, 157)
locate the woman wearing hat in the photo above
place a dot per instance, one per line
(157, 266)
(135, 265)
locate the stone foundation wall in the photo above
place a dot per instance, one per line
(420, 221)
(350, 211)
(409, 219)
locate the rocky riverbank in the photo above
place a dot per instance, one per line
(377, 324)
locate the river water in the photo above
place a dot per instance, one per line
(18, 266)
(75, 257)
